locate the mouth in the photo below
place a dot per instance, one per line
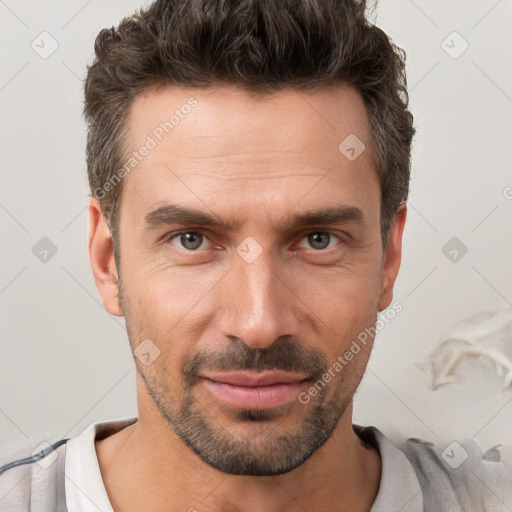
(255, 390)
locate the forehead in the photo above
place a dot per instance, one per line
(231, 141)
(213, 121)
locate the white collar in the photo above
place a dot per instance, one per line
(399, 488)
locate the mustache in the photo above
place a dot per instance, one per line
(287, 355)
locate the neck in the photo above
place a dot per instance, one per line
(146, 466)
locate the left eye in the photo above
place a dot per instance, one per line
(319, 240)
(190, 240)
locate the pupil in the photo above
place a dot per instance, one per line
(191, 240)
(319, 240)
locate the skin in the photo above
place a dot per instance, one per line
(258, 161)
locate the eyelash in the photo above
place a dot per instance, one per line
(169, 238)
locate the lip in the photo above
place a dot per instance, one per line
(244, 378)
(255, 390)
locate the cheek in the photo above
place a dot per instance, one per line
(343, 307)
(341, 294)
(168, 291)
(170, 306)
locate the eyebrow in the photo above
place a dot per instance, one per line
(173, 214)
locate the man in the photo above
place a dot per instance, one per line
(249, 166)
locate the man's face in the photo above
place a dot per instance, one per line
(283, 276)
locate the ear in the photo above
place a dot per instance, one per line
(392, 257)
(101, 253)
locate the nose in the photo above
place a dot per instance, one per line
(258, 304)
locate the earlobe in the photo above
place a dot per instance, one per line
(101, 254)
(392, 257)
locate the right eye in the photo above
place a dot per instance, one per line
(188, 240)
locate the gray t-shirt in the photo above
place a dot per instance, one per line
(417, 476)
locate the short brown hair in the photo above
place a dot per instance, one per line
(260, 46)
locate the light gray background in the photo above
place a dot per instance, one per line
(65, 363)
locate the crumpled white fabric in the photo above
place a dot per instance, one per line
(484, 335)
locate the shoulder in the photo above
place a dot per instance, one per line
(37, 479)
(460, 475)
